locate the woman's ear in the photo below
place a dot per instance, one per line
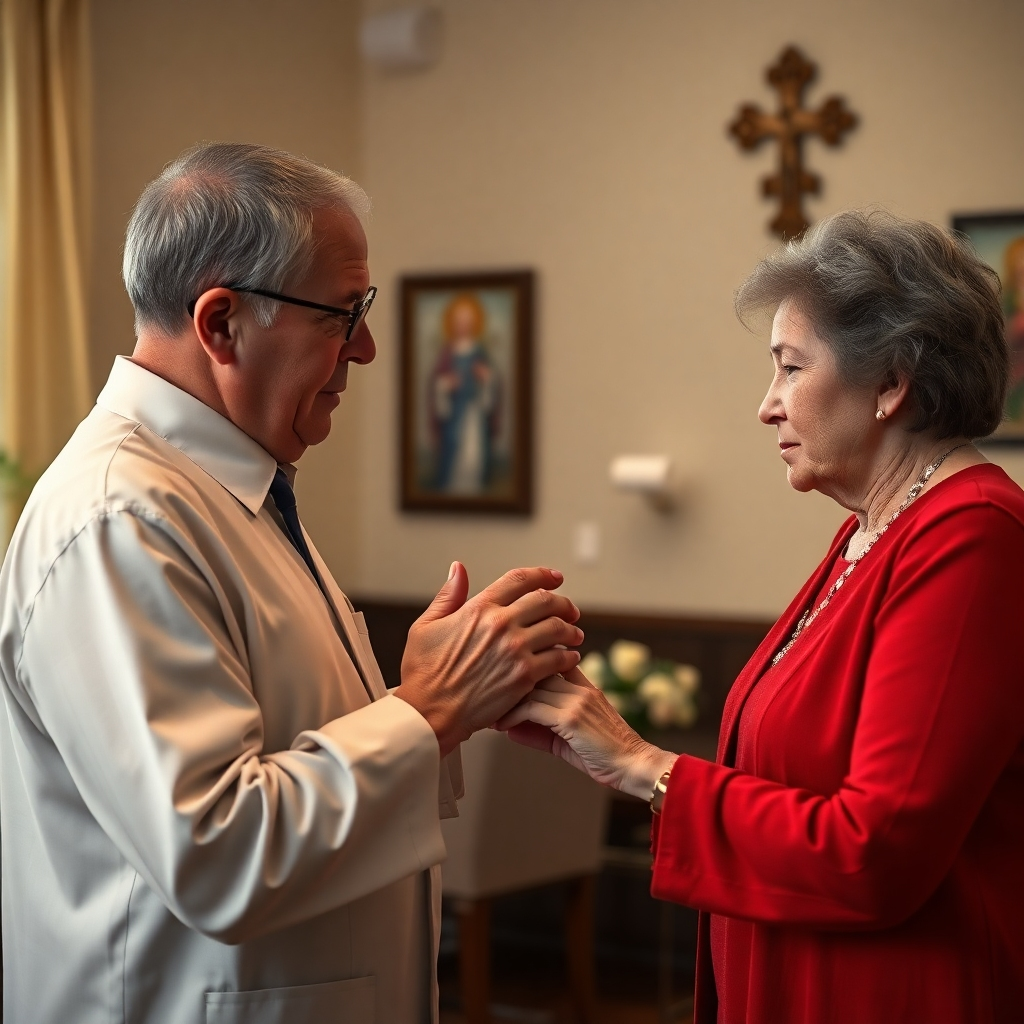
(892, 396)
(216, 324)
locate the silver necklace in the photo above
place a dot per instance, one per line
(810, 615)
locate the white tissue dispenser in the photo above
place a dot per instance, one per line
(649, 475)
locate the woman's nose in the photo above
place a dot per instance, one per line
(771, 408)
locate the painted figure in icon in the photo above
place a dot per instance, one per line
(464, 401)
(1013, 307)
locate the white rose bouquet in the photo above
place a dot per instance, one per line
(645, 691)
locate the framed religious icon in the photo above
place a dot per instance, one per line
(999, 241)
(466, 387)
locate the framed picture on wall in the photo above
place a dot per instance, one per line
(999, 241)
(466, 392)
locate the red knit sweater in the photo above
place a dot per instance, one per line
(868, 865)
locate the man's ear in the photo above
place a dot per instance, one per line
(216, 324)
(893, 396)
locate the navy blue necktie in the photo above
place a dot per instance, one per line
(284, 498)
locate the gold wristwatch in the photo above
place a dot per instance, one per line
(659, 791)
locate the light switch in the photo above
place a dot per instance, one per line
(586, 542)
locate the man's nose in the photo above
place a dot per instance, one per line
(360, 348)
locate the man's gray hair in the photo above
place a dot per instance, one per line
(222, 214)
(898, 299)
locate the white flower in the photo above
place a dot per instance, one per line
(657, 687)
(687, 678)
(629, 660)
(661, 713)
(593, 667)
(667, 704)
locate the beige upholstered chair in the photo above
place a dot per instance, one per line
(527, 819)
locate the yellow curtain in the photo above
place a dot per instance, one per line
(46, 160)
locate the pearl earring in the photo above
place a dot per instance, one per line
(879, 415)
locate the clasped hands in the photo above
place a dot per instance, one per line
(468, 662)
(502, 659)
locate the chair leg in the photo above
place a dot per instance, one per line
(475, 959)
(579, 942)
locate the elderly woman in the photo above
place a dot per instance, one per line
(857, 850)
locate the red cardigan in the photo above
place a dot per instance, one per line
(870, 869)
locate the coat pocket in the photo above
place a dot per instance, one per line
(335, 1002)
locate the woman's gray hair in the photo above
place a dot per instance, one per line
(226, 213)
(898, 300)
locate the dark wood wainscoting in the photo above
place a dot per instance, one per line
(718, 647)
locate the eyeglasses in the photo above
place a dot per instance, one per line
(354, 315)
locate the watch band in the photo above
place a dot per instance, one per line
(659, 791)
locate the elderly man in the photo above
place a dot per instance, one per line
(212, 810)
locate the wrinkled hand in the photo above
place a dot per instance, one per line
(572, 719)
(468, 662)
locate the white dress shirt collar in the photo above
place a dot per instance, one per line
(212, 442)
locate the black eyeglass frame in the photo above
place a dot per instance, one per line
(354, 315)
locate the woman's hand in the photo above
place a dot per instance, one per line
(571, 718)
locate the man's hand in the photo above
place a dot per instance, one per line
(468, 662)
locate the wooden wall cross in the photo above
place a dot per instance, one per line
(831, 121)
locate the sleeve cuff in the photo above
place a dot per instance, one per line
(452, 787)
(394, 760)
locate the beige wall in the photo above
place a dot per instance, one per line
(169, 75)
(586, 138)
